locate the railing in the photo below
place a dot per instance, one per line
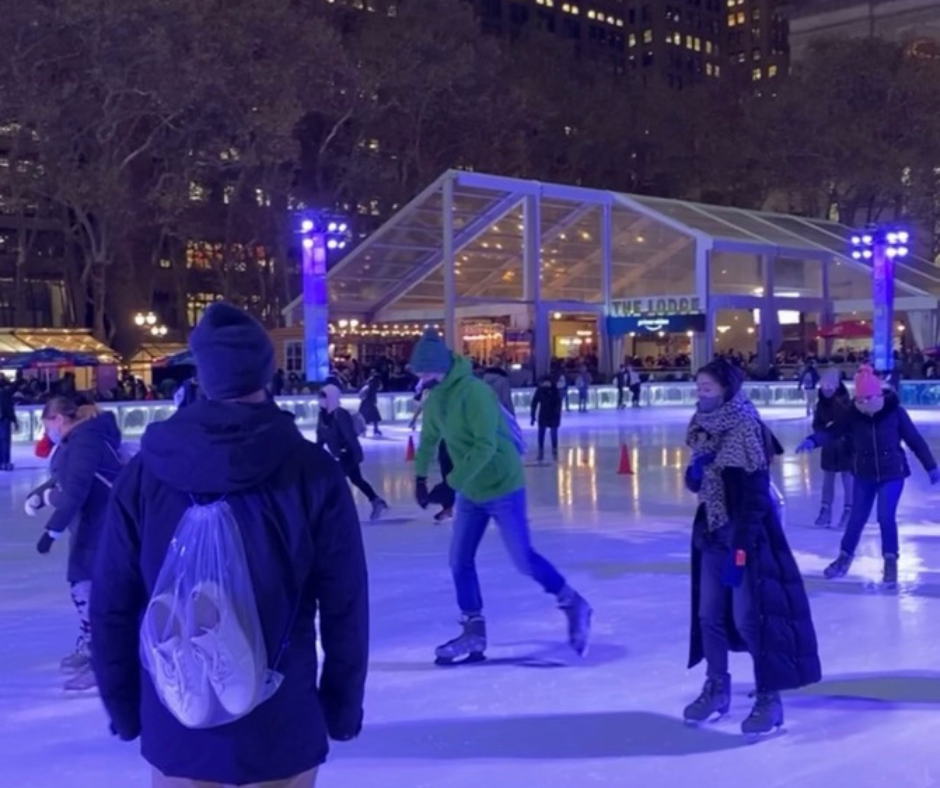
(135, 417)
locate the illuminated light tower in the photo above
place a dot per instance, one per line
(882, 246)
(319, 236)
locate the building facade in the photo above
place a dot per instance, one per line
(913, 22)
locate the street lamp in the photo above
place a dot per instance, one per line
(142, 319)
(320, 234)
(882, 246)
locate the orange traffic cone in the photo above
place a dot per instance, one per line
(410, 451)
(625, 468)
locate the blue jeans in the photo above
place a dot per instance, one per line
(864, 495)
(470, 522)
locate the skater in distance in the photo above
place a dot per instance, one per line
(488, 477)
(747, 592)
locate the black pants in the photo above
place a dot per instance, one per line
(554, 433)
(6, 442)
(354, 474)
(621, 399)
(635, 392)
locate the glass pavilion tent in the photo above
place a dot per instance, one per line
(473, 244)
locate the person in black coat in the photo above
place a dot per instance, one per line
(833, 404)
(304, 551)
(546, 410)
(8, 423)
(336, 431)
(85, 463)
(877, 425)
(369, 403)
(747, 591)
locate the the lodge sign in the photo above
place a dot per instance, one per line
(657, 305)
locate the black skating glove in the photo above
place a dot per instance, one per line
(44, 545)
(422, 496)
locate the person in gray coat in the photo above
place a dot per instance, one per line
(497, 379)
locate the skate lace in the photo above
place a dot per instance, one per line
(711, 688)
(762, 704)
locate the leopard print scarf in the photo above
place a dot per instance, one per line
(735, 435)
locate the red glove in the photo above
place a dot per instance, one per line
(43, 447)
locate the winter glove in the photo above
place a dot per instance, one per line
(33, 504)
(695, 472)
(44, 545)
(935, 476)
(422, 496)
(532, 423)
(733, 574)
(124, 736)
(807, 445)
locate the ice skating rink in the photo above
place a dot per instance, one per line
(534, 715)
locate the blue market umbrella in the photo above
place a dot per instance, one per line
(182, 359)
(48, 357)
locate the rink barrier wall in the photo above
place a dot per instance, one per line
(398, 408)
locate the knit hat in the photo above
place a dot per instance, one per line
(867, 383)
(430, 354)
(234, 354)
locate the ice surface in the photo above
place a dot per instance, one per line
(535, 716)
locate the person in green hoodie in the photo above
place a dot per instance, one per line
(489, 480)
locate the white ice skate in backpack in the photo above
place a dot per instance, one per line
(201, 638)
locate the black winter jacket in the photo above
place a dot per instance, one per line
(304, 549)
(546, 406)
(336, 431)
(878, 455)
(84, 464)
(837, 454)
(787, 654)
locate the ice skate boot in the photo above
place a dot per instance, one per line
(468, 646)
(82, 681)
(825, 516)
(579, 613)
(444, 514)
(840, 567)
(715, 698)
(846, 515)
(379, 507)
(765, 717)
(890, 576)
(78, 660)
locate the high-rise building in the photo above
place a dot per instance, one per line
(684, 42)
(680, 41)
(912, 22)
(757, 44)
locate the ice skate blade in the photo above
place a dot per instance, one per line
(754, 738)
(470, 659)
(712, 719)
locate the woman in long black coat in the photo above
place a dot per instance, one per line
(369, 403)
(747, 591)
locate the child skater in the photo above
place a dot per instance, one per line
(834, 404)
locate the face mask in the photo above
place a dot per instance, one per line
(55, 434)
(871, 406)
(709, 404)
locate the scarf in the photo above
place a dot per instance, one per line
(735, 435)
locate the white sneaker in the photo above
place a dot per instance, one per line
(179, 671)
(219, 639)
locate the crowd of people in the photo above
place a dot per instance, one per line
(164, 550)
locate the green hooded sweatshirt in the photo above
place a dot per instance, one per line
(463, 412)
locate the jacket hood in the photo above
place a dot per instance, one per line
(213, 448)
(330, 396)
(460, 369)
(104, 425)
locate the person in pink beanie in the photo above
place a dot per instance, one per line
(877, 426)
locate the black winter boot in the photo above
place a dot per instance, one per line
(715, 698)
(825, 516)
